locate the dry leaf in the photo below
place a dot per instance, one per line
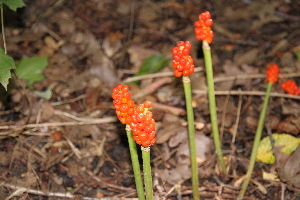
(290, 125)
(204, 146)
(247, 57)
(289, 171)
(173, 176)
(138, 55)
(231, 69)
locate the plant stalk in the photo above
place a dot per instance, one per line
(135, 164)
(147, 172)
(192, 141)
(256, 141)
(2, 28)
(212, 104)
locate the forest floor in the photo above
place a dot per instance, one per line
(73, 147)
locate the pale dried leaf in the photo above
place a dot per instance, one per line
(173, 176)
(104, 69)
(110, 46)
(138, 55)
(246, 58)
(289, 171)
(204, 146)
(163, 135)
(290, 125)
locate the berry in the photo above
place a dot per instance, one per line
(203, 27)
(139, 119)
(123, 104)
(272, 73)
(183, 62)
(290, 87)
(142, 125)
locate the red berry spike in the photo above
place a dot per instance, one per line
(272, 73)
(142, 125)
(123, 104)
(203, 27)
(183, 62)
(290, 87)
(139, 119)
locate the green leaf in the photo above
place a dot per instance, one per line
(47, 94)
(30, 69)
(13, 4)
(287, 142)
(153, 64)
(297, 53)
(6, 64)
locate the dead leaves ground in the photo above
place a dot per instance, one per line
(72, 147)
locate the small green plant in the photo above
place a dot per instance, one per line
(153, 64)
(7, 62)
(28, 69)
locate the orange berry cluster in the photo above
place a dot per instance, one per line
(183, 62)
(142, 125)
(272, 73)
(123, 104)
(203, 27)
(140, 119)
(290, 87)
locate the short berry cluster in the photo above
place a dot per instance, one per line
(142, 125)
(139, 119)
(272, 73)
(203, 27)
(183, 62)
(123, 104)
(290, 87)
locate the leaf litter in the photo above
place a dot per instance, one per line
(94, 45)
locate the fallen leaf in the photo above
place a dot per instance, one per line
(285, 142)
(204, 147)
(289, 171)
(290, 125)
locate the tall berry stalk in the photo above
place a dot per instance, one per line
(124, 109)
(272, 78)
(140, 128)
(183, 66)
(143, 130)
(204, 33)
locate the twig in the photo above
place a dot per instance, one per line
(216, 79)
(238, 115)
(56, 194)
(174, 110)
(156, 75)
(224, 115)
(152, 87)
(69, 100)
(105, 183)
(252, 76)
(2, 28)
(251, 93)
(91, 121)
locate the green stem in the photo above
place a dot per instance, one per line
(147, 173)
(212, 103)
(2, 28)
(191, 128)
(256, 142)
(135, 164)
